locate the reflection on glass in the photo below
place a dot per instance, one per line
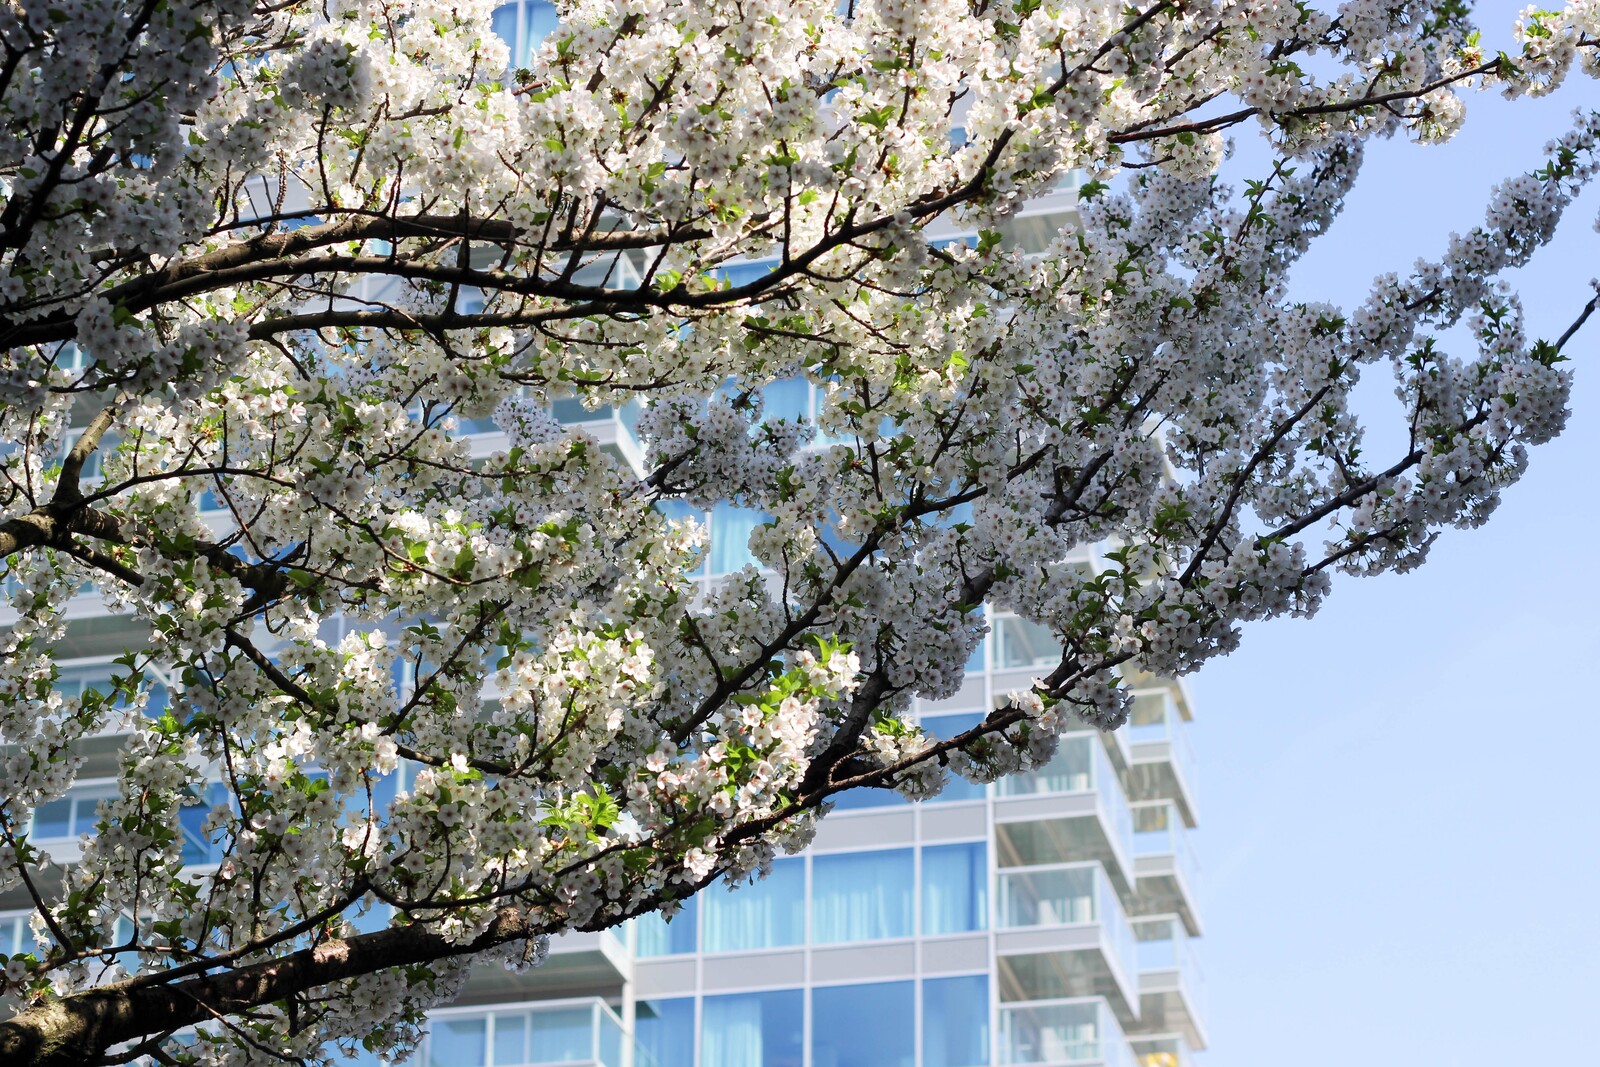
(945, 727)
(458, 1042)
(1071, 771)
(559, 1036)
(1061, 1033)
(536, 1036)
(16, 935)
(863, 797)
(522, 26)
(753, 1029)
(863, 1025)
(1020, 643)
(768, 913)
(730, 537)
(71, 816)
(955, 1021)
(665, 1032)
(955, 881)
(656, 936)
(788, 399)
(861, 896)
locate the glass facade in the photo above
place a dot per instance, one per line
(862, 896)
(768, 913)
(536, 1035)
(864, 1025)
(753, 1030)
(955, 888)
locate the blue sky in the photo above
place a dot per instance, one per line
(1400, 833)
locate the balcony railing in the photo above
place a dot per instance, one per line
(1081, 766)
(1068, 895)
(1164, 945)
(1158, 830)
(580, 1033)
(1160, 743)
(1062, 1033)
(1172, 988)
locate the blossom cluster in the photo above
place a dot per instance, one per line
(290, 293)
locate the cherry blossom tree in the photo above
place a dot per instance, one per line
(266, 263)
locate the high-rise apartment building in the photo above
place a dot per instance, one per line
(1043, 920)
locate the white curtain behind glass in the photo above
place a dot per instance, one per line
(730, 1032)
(861, 896)
(765, 914)
(954, 889)
(730, 537)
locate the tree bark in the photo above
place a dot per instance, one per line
(79, 1028)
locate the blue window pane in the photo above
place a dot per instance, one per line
(730, 537)
(156, 704)
(737, 274)
(955, 1021)
(541, 21)
(1024, 644)
(610, 1050)
(863, 1025)
(945, 727)
(457, 1043)
(679, 510)
(955, 888)
(655, 936)
(561, 1036)
(665, 1030)
(861, 896)
(790, 399)
(764, 914)
(53, 820)
(753, 1030)
(571, 410)
(538, 21)
(510, 1039)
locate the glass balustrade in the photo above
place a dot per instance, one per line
(1080, 766)
(1155, 717)
(569, 1034)
(76, 679)
(71, 816)
(1164, 945)
(1158, 830)
(1067, 895)
(1062, 1033)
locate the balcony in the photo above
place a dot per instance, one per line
(581, 963)
(1062, 1033)
(569, 1033)
(614, 428)
(1062, 933)
(1162, 765)
(1171, 985)
(1073, 809)
(1164, 865)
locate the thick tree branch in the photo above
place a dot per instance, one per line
(76, 1029)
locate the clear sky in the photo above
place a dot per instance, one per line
(1400, 830)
